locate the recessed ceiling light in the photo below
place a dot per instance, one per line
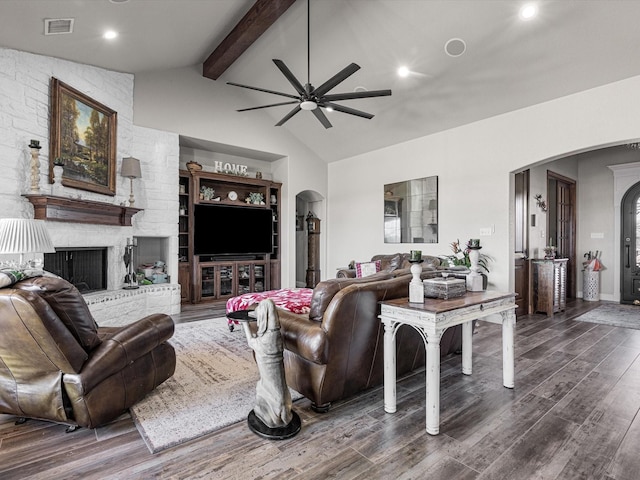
(403, 71)
(527, 12)
(110, 34)
(455, 47)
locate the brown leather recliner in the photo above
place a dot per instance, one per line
(56, 364)
(337, 350)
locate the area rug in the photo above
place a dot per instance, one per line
(213, 386)
(613, 314)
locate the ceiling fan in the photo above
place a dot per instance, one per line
(313, 98)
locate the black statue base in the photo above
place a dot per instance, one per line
(258, 427)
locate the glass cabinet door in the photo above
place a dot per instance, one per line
(216, 281)
(208, 282)
(244, 279)
(251, 278)
(226, 281)
(259, 278)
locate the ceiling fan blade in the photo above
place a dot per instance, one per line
(288, 116)
(339, 77)
(355, 95)
(267, 106)
(290, 76)
(264, 90)
(322, 117)
(350, 111)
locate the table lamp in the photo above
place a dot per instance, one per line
(24, 235)
(131, 169)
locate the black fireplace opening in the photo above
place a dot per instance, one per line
(85, 268)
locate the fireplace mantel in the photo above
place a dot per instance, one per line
(62, 209)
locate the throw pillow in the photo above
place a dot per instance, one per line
(9, 276)
(364, 269)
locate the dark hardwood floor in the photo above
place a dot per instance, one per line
(573, 414)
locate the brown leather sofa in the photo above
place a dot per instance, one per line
(336, 350)
(393, 262)
(56, 364)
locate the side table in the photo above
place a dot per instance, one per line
(430, 319)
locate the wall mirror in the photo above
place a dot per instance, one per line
(411, 211)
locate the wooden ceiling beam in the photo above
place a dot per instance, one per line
(257, 20)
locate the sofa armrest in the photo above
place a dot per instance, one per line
(120, 349)
(303, 336)
(346, 273)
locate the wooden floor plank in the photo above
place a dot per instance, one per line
(548, 435)
(626, 463)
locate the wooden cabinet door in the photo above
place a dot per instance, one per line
(184, 273)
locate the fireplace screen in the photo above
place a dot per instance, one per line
(86, 268)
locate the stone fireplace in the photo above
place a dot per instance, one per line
(79, 219)
(90, 254)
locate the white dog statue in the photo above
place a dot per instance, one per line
(273, 400)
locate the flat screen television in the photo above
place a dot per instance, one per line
(228, 230)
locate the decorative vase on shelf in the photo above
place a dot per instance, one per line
(56, 188)
(193, 167)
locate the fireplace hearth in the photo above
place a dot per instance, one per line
(85, 268)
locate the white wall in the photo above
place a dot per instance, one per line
(183, 101)
(474, 164)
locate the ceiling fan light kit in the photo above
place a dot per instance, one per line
(308, 105)
(310, 98)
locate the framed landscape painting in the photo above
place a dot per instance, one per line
(82, 140)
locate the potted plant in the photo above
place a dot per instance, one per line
(460, 257)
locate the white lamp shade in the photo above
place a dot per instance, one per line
(24, 235)
(130, 168)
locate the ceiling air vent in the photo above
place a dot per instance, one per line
(57, 26)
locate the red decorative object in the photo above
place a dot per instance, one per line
(296, 300)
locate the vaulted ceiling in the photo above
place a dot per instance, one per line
(572, 45)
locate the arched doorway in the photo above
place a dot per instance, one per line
(306, 201)
(630, 246)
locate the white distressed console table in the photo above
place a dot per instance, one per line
(430, 319)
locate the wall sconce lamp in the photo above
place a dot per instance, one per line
(131, 169)
(24, 235)
(542, 204)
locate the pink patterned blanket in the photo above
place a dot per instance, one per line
(296, 300)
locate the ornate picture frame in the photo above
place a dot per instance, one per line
(82, 139)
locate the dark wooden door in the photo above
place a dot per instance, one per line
(562, 223)
(630, 261)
